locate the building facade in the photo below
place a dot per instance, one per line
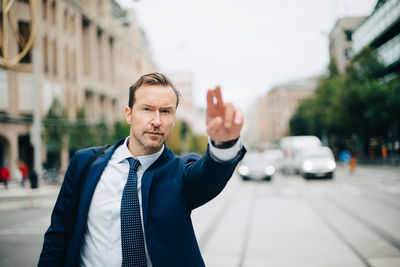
(186, 111)
(272, 113)
(341, 40)
(88, 54)
(381, 32)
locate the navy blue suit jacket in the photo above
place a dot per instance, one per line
(171, 188)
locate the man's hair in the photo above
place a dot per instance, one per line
(154, 78)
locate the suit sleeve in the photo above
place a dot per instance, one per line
(206, 177)
(55, 238)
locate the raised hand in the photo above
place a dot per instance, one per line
(224, 121)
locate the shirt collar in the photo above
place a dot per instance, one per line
(145, 161)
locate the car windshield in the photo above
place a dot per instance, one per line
(254, 158)
(318, 156)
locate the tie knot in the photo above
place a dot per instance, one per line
(134, 163)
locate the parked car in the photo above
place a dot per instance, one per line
(317, 162)
(256, 166)
(291, 147)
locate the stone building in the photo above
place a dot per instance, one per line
(88, 54)
(273, 112)
(187, 112)
(341, 40)
(380, 31)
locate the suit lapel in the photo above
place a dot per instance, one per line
(147, 180)
(93, 178)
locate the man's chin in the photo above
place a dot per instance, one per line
(155, 145)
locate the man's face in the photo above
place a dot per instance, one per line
(151, 118)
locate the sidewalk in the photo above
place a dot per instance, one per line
(15, 191)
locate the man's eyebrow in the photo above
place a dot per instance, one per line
(166, 107)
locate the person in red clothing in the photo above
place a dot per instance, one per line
(24, 171)
(5, 174)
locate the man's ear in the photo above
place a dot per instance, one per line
(128, 115)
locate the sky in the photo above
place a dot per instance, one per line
(246, 47)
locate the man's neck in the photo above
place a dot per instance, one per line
(140, 152)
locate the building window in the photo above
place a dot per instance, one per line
(53, 12)
(24, 32)
(100, 61)
(111, 61)
(45, 55)
(72, 26)
(348, 34)
(44, 9)
(65, 20)
(86, 46)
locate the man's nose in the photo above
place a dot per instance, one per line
(156, 121)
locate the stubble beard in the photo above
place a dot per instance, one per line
(148, 143)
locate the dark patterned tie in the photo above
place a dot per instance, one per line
(132, 239)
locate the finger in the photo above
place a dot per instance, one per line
(239, 117)
(237, 124)
(218, 95)
(229, 115)
(210, 97)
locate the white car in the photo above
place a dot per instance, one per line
(291, 147)
(256, 166)
(317, 162)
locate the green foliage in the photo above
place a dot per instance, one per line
(198, 143)
(121, 130)
(174, 141)
(55, 126)
(357, 102)
(81, 133)
(183, 140)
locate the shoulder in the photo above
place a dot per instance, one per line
(83, 156)
(87, 152)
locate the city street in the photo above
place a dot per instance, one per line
(350, 221)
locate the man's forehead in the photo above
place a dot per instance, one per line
(155, 87)
(156, 93)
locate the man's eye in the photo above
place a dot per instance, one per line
(165, 111)
(146, 109)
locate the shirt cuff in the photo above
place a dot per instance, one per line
(225, 154)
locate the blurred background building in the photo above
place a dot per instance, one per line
(381, 32)
(340, 41)
(89, 53)
(187, 112)
(272, 113)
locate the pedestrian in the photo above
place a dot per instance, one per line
(134, 209)
(4, 174)
(384, 152)
(24, 171)
(353, 163)
(344, 157)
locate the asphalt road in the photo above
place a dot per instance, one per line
(350, 221)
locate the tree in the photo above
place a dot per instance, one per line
(81, 133)
(356, 103)
(54, 124)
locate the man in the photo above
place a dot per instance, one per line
(149, 223)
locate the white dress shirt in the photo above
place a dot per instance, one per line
(101, 245)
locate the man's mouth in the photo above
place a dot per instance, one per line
(155, 133)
